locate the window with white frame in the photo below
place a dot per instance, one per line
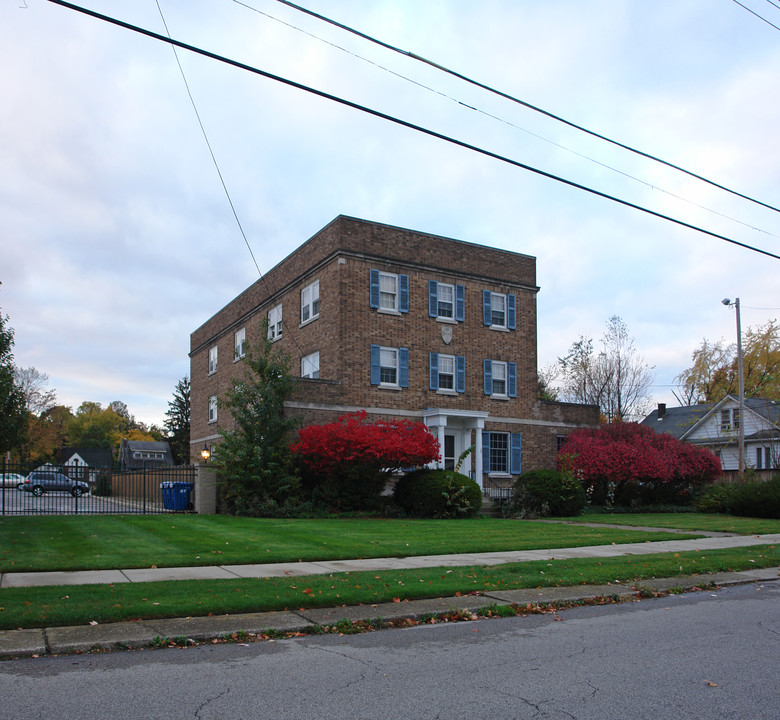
(499, 310)
(446, 301)
(388, 366)
(213, 409)
(499, 378)
(310, 365)
(499, 452)
(388, 291)
(239, 343)
(446, 372)
(729, 419)
(275, 323)
(310, 301)
(213, 360)
(502, 453)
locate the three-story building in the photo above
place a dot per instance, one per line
(400, 324)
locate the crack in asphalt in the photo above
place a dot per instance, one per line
(210, 700)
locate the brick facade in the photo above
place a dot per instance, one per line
(341, 258)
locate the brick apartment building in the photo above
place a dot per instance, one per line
(401, 324)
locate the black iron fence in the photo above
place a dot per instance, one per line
(80, 489)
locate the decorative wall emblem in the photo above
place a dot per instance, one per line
(446, 334)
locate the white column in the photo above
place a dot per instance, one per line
(440, 464)
(478, 456)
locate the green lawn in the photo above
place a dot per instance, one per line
(687, 521)
(79, 604)
(131, 541)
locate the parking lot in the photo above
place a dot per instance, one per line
(18, 502)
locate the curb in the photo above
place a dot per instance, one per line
(39, 642)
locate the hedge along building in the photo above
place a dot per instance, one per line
(400, 324)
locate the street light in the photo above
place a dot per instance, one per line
(741, 379)
(205, 453)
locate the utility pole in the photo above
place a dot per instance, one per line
(741, 380)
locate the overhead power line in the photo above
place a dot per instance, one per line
(528, 105)
(402, 123)
(760, 17)
(221, 177)
(208, 144)
(474, 108)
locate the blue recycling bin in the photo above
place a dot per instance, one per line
(176, 495)
(181, 495)
(167, 495)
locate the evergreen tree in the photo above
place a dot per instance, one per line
(254, 460)
(177, 422)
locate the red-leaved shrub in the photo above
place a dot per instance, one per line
(623, 462)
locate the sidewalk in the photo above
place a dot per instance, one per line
(125, 635)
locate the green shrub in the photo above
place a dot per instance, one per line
(715, 498)
(542, 493)
(751, 499)
(437, 494)
(756, 499)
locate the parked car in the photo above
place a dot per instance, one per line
(10, 479)
(41, 481)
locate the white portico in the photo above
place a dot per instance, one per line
(453, 429)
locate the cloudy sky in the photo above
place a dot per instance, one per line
(117, 239)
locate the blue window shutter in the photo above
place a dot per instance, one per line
(511, 313)
(516, 453)
(403, 367)
(460, 373)
(433, 369)
(375, 364)
(485, 451)
(403, 293)
(511, 379)
(487, 371)
(460, 303)
(373, 283)
(487, 313)
(433, 298)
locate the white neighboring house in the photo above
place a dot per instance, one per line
(716, 426)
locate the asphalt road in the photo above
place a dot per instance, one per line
(700, 655)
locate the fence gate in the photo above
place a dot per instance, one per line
(82, 490)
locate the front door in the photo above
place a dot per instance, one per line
(449, 451)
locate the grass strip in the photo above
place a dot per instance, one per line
(709, 522)
(35, 544)
(80, 604)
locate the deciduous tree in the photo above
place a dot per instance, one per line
(713, 371)
(616, 378)
(38, 398)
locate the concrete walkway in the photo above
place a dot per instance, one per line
(147, 633)
(321, 567)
